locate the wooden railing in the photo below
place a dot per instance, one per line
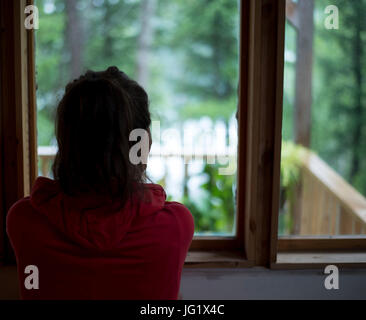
(46, 155)
(328, 204)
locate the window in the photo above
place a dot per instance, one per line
(190, 69)
(323, 185)
(251, 228)
(263, 66)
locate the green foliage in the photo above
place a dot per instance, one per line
(209, 55)
(45, 129)
(339, 105)
(214, 211)
(215, 109)
(291, 160)
(291, 157)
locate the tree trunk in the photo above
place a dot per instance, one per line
(108, 39)
(304, 57)
(300, 14)
(145, 40)
(357, 72)
(74, 38)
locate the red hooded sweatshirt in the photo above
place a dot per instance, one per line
(90, 248)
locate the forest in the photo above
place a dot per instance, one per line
(186, 55)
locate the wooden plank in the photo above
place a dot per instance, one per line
(2, 180)
(363, 230)
(345, 223)
(321, 243)
(338, 218)
(309, 227)
(264, 127)
(305, 203)
(315, 208)
(280, 46)
(325, 222)
(32, 104)
(216, 259)
(215, 243)
(320, 210)
(358, 227)
(252, 129)
(297, 206)
(333, 215)
(303, 260)
(350, 199)
(242, 118)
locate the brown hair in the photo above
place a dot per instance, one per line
(94, 119)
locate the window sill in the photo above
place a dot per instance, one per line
(314, 260)
(216, 259)
(285, 260)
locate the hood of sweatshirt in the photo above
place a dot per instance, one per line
(92, 221)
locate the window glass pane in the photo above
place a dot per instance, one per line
(323, 162)
(185, 54)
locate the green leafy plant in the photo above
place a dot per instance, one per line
(291, 160)
(216, 208)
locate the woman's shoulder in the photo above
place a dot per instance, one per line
(19, 207)
(17, 213)
(178, 207)
(182, 216)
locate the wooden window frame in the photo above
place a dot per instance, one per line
(260, 121)
(322, 243)
(235, 243)
(18, 154)
(256, 243)
(260, 101)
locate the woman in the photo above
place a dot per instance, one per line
(99, 231)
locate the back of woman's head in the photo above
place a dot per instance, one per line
(93, 123)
